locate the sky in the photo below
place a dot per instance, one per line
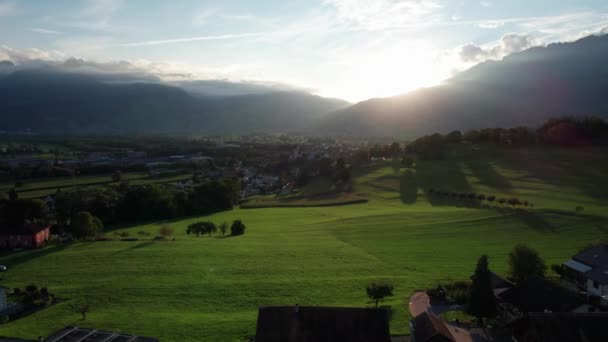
(349, 49)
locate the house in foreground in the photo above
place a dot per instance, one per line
(31, 235)
(560, 327)
(428, 327)
(322, 324)
(76, 334)
(539, 295)
(588, 270)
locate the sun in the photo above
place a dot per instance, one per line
(393, 70)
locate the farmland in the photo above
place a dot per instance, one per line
(209, 288)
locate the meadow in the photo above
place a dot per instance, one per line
(209, 288)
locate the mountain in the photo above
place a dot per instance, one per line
(522, 89)
(52, 101)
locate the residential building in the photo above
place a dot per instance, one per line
(428, 327)
(322, 324)
(76, 334)
(589, 271)
(26, 236)
(538, 295)
(560, 327)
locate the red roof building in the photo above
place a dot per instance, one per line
(27, 236)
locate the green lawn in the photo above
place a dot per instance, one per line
(195, 289)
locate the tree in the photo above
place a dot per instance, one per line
(481, 297)
(454, 137)
(165, 231)
(85, 225)
(223, 228)
(237, 228)
(116, 176)
(524, 262)
(12, 195)
(379, 291)
(407, 162)
(83, 310)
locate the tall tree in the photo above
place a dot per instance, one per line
(525, 262)
(481, 297)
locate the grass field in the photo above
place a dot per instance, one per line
(209, 288)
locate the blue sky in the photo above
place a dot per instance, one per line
(351, 49)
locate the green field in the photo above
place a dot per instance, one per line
(209, 288)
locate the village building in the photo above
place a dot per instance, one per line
(538, 295)
(30, 235)
(322, 324)
(588, 270)
(428, 327)
(560, 327)
(76, 334)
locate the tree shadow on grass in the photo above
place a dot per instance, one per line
(487, 175)
(17, 258)
(534, 220)
(408, 187)
(137, 246)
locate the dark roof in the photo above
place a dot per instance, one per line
(497, 281)
(599, 274)
(538, 295)
(596, 256)
(562, 327)
(76, 334)
(26, 229)
(321, 324)
(427, 327)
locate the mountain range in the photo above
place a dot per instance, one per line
(522, 89)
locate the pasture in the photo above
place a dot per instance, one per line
(209, 288)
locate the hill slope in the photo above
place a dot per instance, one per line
(57, 102)
(522, 89)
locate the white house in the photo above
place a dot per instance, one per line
(589, 271)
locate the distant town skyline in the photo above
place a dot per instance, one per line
(350, 49)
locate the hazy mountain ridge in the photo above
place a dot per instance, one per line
(522, 89)
(51, 101)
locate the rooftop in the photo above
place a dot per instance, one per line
(539, 295)
(322, 324)
(76, 334)
(428, 327)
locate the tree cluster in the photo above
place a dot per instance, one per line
(210, 228)
(471, 196)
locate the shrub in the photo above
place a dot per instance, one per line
(237, 228)
(4, 319)
(491, 198)
(165, 230)
(579, 209)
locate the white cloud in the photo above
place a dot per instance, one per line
(485, 3)
(25, 56)
(43, 31)
(507, 45)
(491, 24)
(203, 16)
(193, 39)
(383, 14)
(7, 7)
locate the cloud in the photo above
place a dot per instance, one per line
(193, 39)
(485, 3)
(491, 24)
(43, 31)
(7, 7)
(382, 14)
(203, 16)
(507, 45)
